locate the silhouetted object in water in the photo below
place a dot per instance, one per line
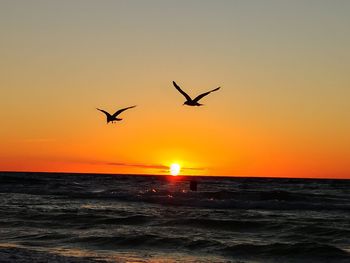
(193, 102)
(112, 118)
(193, 185)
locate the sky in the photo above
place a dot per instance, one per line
(283, 109)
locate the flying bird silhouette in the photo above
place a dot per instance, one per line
(193, 102)
(112, 118)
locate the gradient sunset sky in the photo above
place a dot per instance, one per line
(284, 69)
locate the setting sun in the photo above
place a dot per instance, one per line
(175, 169)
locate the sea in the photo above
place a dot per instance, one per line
(62, 217)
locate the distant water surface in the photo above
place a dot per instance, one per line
(119, 218)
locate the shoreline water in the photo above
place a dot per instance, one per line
(158, 219)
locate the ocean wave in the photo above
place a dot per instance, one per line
(19, 255)
(240, 203)
(290, 252)
(145, 241)
(219, 200)
(228, 225)
(72, 219)
(327, 233)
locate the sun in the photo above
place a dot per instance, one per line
(175, 169)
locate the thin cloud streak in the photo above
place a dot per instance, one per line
(149, 166)
(160, 167)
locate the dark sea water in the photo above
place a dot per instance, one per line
(53, 217)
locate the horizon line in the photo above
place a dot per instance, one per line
(177, 176)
